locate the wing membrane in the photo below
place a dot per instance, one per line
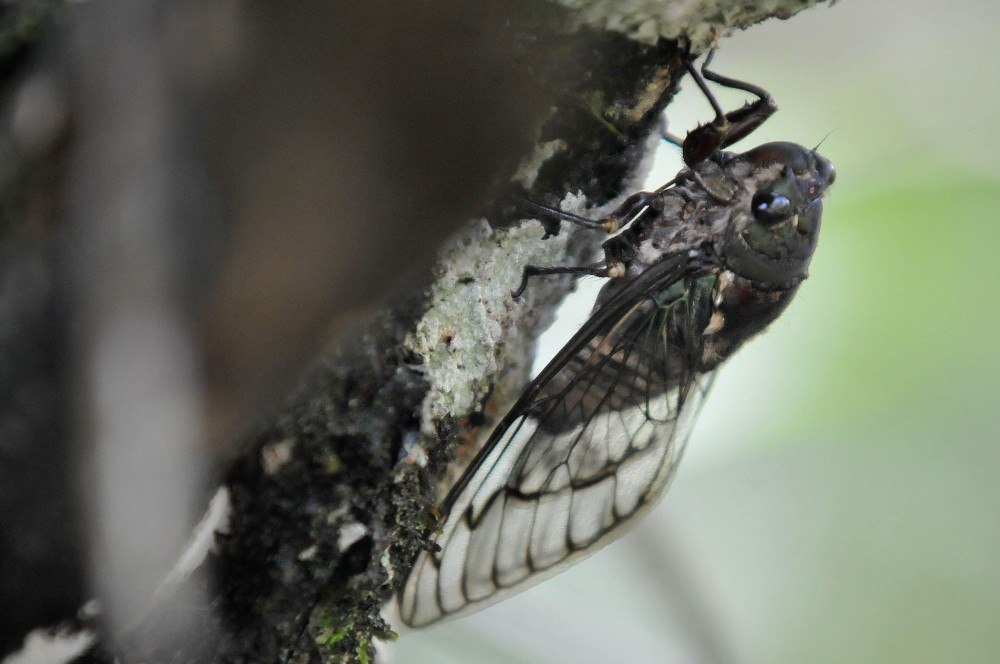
(592, 443)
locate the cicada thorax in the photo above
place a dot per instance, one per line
(744, 273)
(759, 261)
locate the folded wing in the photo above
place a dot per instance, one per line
(592, 443)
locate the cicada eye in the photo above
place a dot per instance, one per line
(770, 208)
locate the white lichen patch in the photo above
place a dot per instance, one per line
(466, 334)
(527, 171)
(276, 455)
(337, 514)
(417, 456)
(414, 453)
(385, 560)
(701, 22)
(349, 534)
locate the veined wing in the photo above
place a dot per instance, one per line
(592, 443)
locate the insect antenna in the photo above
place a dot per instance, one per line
(822, 140)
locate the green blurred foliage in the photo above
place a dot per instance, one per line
(901, 321)
(894, 342)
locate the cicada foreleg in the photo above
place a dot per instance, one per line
(727, 128)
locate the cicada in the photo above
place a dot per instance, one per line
(694, 270)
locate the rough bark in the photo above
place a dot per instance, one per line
(311, 161)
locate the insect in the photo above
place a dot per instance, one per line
(695, 269)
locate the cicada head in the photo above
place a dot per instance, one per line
(772, 240)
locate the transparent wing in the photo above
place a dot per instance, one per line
(591, 444)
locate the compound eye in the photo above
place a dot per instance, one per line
(770, 208)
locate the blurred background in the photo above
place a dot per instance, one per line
(839, 501)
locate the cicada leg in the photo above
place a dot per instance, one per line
(611, 270)
(629, 211)
(665, 134)
(727, 128)
(559, 215)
